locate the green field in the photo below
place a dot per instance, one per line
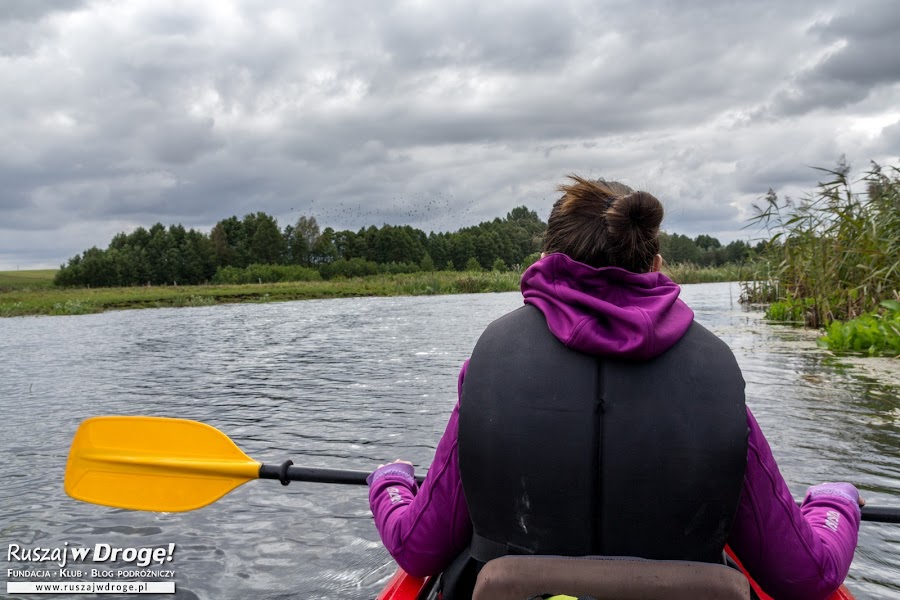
(10, 280)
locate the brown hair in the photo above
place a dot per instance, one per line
(605, 224)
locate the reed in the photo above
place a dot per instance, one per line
(836, 252)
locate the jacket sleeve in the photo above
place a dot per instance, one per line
(792, 552)
(423, 529)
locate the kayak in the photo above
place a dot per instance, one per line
(842, 593)
(403, 586)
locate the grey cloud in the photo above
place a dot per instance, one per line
(866, 64)
(182, 141)
(890, 139)
(757, 178)
(811, 94)
(491, 36)
(864, 19)
(17, 39)
(35, 10)
(864, 58)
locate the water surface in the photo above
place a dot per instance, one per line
(351, 383)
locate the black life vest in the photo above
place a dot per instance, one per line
(563, 453)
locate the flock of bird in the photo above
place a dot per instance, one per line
(436, 212)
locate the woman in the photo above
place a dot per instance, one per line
(601, 419)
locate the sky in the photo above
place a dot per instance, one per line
(435, 114)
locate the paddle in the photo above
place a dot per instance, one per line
(174, 465)
(169, 465)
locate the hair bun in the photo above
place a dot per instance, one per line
(633, 218)
(605, 224)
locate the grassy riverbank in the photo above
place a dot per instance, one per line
(32, 292)
(74, 301)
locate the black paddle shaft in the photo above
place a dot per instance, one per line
(881, 514)
(286, 472)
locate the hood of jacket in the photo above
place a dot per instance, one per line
(607, 311)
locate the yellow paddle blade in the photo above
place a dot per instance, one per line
(153, 463)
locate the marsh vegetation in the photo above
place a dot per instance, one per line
(833, 260)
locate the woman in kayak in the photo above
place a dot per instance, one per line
(601, 419)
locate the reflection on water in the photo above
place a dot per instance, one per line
(350, 383)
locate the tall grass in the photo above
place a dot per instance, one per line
(690, 273)
(838, 250)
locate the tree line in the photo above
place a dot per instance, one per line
(235, 249)
(706, 251)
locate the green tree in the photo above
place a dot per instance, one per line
(677, 249)
(267, 246)
(396, 245)
(324, 250)
(303, 237)
(96, 269)
(230, 242)
(462, 249)
(438, 247)
(738, 252)
(707, 242)
(473, 265)
(348, 244)
(530, 260)
(158, 255)
(487, 248)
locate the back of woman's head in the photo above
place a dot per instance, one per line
(605, 224)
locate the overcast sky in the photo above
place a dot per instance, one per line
(434, 114)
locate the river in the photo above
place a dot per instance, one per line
(350, 383)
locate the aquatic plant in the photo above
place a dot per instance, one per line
(790, 310)
(872, 333)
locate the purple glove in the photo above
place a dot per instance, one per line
(406, 471)
(846, 491)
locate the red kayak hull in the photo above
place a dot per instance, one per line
(403, 586)
(842, 593)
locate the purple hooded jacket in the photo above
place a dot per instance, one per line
(792, 552)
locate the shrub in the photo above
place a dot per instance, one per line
(264, 274)
(355, 267)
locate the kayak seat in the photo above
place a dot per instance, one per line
(518, 577)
